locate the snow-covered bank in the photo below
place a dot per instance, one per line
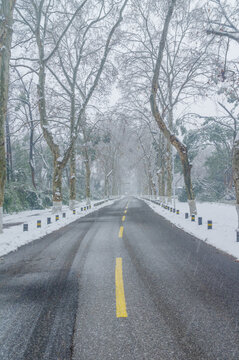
(224, 219)
(13, 236)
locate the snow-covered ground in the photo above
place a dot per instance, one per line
(222, 235)
(224, 223)
(13, 236)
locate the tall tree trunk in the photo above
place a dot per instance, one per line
(235, 166)
(72, 203)
(169, 149)
(87, 176)
(107, 182)
(106, 185)
(48, 135)
(57, 159)
(31, 152)
(161, 171)
(180, 147)
(6, 13)
(114, 178)
(169, 172)
(159, 182)
(163, 180)
(152, 185)
(9, 151)
(57, 185)
(147, 177)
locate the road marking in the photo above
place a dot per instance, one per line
(123, 218)
(121, 232)
(125, 211)
(121, 311)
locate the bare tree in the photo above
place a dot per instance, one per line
(28, 108)
(180, 147)
(6, 22)
(182, 76)
(41, 33)
(222, 22)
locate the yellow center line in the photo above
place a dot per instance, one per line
(121, 232)
(125, 211)
(123, 218)
(121, 311)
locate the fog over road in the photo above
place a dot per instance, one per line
(120, 283)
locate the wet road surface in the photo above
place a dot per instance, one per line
(120, 283)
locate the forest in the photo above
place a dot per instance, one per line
(112, 97)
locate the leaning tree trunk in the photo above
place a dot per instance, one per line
(187, 178)
(6, 13)
(235, 166)
(183, 154)
(180, 147)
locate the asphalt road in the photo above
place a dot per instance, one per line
(105, 287)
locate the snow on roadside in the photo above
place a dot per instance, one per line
(224, 223)
(13, 236)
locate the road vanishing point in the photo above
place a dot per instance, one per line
(120, 283)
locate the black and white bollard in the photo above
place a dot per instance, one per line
(64, 215)
(38, 223)
(82, 209)
(25, 227)
(209, 224)
(174, 210)
(48, 220)
(237, 232)
(186, 215)
(200, 221)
